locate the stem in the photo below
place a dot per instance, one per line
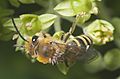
(72, 29)
(57, 25)
(70, 19)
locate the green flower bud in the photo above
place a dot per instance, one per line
(58, 34)
(112, 58)
(79, 6)
(30, 24)
(96, 65)
(118, 77)
(100, 31)
(73, 7)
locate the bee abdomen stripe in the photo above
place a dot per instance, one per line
(84, 40)
(89, 41)
(76, 41)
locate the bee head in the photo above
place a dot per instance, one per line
(38, 37)
(34, 38)
(37, 44)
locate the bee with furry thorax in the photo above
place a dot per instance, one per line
(47, 49)
(43, 47)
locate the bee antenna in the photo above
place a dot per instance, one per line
(18, 30)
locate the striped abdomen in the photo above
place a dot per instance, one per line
(76, 48)
(83, 40)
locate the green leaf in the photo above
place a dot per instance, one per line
(63, 68)
(112, 58)
(14, 3)
(9, 25)
(73, 7)
(47, 20)
(27, 1)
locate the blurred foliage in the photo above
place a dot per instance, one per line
(15, 65)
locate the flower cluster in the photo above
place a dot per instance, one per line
(100, 31)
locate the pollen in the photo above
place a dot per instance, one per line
(43, 59)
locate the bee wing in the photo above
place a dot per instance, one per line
(90, 55)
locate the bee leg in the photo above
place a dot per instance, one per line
(53, 62)
(66, 63)
(35, 54)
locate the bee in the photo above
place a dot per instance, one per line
(47, 49)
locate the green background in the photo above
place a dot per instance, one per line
(15, 65)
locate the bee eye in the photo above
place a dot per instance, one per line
(51, 42)
(34, 38)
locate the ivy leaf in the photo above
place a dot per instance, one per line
(112, 58)
(27, 1)
(47, 20)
